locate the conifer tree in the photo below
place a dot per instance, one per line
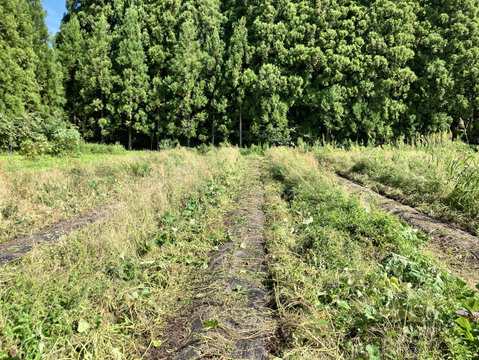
(238, 57)
(161, 19)
(390, 44)
(46, 70)
(185, 84)
(19, 90)
(463, 55)
(254, 71)
(96, 80)
(132, 79)
(215, 87)
(70, 47)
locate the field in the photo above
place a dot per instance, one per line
(230, 253)
(437, 176)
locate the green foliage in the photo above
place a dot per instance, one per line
(358, 276)
(91, 148)
(277, 71)
(212, 71)
(70, 46)
(435, 174)
(65, 140)
(33, 136)
(132, 79)
(29, 81)
(95, 77)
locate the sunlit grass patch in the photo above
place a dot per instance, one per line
(108, 290)
(354, 283)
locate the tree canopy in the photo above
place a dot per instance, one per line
(243, 71)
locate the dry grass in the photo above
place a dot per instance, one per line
(33, 199)
(104, 292)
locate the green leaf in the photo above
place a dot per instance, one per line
(344, 305)
(372, 350)
(145, 292)
(369, 311)
(157, 343)
(211, 324)
(464, 323)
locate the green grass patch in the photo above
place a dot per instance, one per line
(351, 283)
(438, 176)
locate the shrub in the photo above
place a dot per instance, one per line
(167, 144)
(65, 140)
(92, 148)
(33, 149)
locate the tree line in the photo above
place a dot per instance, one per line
(244, 71)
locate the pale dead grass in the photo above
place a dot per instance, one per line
(46, 196)
(82, 268)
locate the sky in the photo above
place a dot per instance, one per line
(55, 10)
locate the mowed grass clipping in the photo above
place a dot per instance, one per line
(435, 175)
(107, 291)
(35, 197)
(351, 282)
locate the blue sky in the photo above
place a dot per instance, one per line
(55, 10)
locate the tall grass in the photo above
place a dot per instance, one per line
(437, 175)
(92, 148)
(109, 290)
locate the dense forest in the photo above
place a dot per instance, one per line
(151, 72)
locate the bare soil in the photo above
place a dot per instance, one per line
(458, 249)
(16, 247)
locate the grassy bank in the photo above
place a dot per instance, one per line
(107, 291)
(437, 176)
(351, 282)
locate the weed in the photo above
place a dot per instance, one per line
(210, 324)
(356, 283)
(439, 176)
(242, 290)
(9, 211)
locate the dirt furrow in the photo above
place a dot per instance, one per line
(234, 321)
(15, 248)
(456, 247)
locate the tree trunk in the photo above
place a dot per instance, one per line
(129, 135)
(189, 127)
(130, 115)
(240, 127)
(75, 119)
(101, 114)
(157, 134)
(83, 127)
(213, 132)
